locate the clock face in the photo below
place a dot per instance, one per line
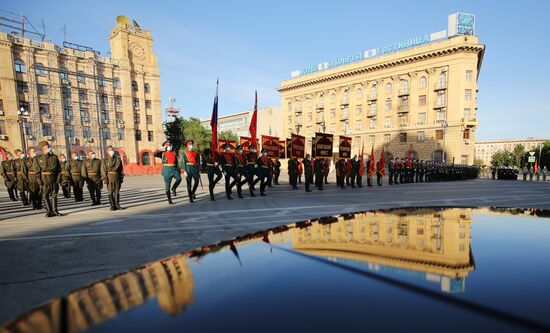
(136, 51)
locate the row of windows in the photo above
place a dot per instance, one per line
(87, 133)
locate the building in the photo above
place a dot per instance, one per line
(270, 122)
(75, 98)
(484, 150)
(419, 95)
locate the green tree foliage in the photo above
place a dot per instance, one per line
(544, 155)
(193, 129)
(174, 132)
(228, 135)
(519, 151)
(503, 158)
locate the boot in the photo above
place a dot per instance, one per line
(54, 206)
(190, 194)
(92, 196)
(240, 193)
(251, 192)
(112, 202)
(211, 190)
(98, 196)
(49, 210)
(117, 201)
(169, 198)
(11, 194)
(24, 200)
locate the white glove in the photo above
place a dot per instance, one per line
(162, 149)
(215, 163)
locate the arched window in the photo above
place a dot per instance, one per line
(116, 82)
(442, 77)
(20, 66)
(80, 77)
(359, 93)
(289, 106)
(321, 100)
(39, 69)
(332, 98)
(373, 91)
(388, 88)
(145, 158)
(134, 86)
(405, 85)
(63, 74)
(146, 88)
(423, 82)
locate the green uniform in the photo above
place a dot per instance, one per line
(32, 170)
(91, 172)
(49, 168)
(318, 170)
(112, 175)
(65, 180)
(8, 172)
(21, 179)
(74, 168)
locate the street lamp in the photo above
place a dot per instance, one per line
(21, 119)
(444, 125)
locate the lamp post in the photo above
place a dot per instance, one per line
(21, 119)
(444, 125)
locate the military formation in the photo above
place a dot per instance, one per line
(402, 171)
(35, 177)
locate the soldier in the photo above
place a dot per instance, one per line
(348, 172)
(326, 169)
(264, 164)
(539, 172)
(421, 170)
(212, 168)
(74, 168)
(277, 171)
(91, 173)
(191, 165)
(242, 171)
(9, 174)
(360, 171)
(113, 176)
(318, 170)
(49, 168)
(293, 172)
(170, 169)
(340, 173)
(370, 164)
(21, 178)
(353, 170)
(544, 173)
(227, 160)
(416, 168)
(525, 171)
(391, 167)
(252, 168)
(32, 172)
(64, 177)
(308, 172)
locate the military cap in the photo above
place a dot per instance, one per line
(110, 147)
(17, 151)
(166, 141)
(188, 141)
(89, 151)
(43, 144)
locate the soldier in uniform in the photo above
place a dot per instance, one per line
(360, 172)
(229, 167)
(242, 171)
(326, 170)
(170, 169)
(353, 170)
(340, 173)
(49, 168)
(264, 164)
(391, 167)
(380, 172)
(113, 176)
(32, 172)
(308, 172)
(21, 178)
(348, 172)
(91, 173)
(370, 164)
(252, 168)
(525, 172)
(191, 165)
(74, 168)
(277, 171)
(8, 173)
(531, 171)
(293, 172)
(212, 168)
(318, 170)
(64, 177)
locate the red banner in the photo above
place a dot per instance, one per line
(344, 150)
(245, 142)
(221, 145)
(271, 144)
(282, 149)
(323, 145)
(298, 146)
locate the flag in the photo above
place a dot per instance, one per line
(253, 122)
(381, 166)
(372, 169)
(214, 122)
(409, 159)
(536, 166)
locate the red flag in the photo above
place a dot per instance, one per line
(253, 122)
(372, 169)
(214, 122)
(409, 159)
(536, 166)
(381, 166)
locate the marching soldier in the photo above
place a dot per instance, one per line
(49, 168)
(525, 172)
(277, 171)
(264, 164)
(7, 172)
(112, 175)
(21, 178)
(91, 173)
(340, 172)
(353, 170)
(318, 170)
(74, 168)
(32, 172)
(252, 168)
(170, 169)
(242, 172)
(308, 171)
(531, 172)
(191, 163)
(212, 168)
(64, 179)
(227, 160)
(293, 172)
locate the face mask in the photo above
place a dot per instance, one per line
(63, 160)
(169, 148)
(190, 147)
(111, 153)
(49, 150)
(23, 155)
(93, 156)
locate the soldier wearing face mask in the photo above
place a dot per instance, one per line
(170, 168)
(8, 173)
(32, 170)
(229, 167)
(113, 176)
(252, 168)
(49, 167)
(64, 179)
(242, 171)
(21, 177)
(74, 169)
(191, 164)
(91, 172)
(264, 164)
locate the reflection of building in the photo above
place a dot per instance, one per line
(397, 97)
(486, 149)
(435, 244)
(170, 281)
(77, 99)
(269, 122)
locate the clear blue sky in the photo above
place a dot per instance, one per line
(255, 44)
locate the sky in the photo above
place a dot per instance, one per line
(254, 45)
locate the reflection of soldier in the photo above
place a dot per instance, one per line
(112, 175)
(318, 169)
(293, 172)
(340, 172)
(8, 173)
(74, 168)
(170, 168)
(191, 165)
(212, 168)
(91, 172)
(49, 167)
(308, 170)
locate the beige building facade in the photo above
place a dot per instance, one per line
(418, 95)
(269, 122)
(77, 99)
(484, 150)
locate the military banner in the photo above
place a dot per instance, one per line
(271, 144)
(245, 142)
(282, 149)
(298, 146)
(323, 145)
(288, 148)
(313, 147)
(232, 143)
(344, 150)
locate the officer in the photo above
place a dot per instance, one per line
(293, 172)
(191, 163)
(64, 177)
(32, 172)
(276, 171)
(391, 167)
(49, 168)
(7, 172)
(229, 167)
(91, 173)
(170, 169)
(318, 170)
(112, 175)
(242, 171)
(264, 165)
(21, 177)
(308, 172)
(353, 170)
(340, 173)
(74, 168)
(212, 169)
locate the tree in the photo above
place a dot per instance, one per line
(519, 151)
(228, 135)
(174, 132)
(193, 129)
(502, 158)
(478, 162)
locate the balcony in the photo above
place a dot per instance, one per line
(320, 106)
(403, 108)
(469, 122)
(403, 92)
(372, 97)
(440, 85)
(439, 104)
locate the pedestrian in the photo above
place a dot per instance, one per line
(113, 177)
(170, 169)
(91, 172)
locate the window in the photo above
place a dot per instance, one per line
(332, 113)
(101, 81)
(309, 102)
(422, 100)
(134, 86)
(290, 119)
(86, 133)
(371, 140)
(387, 138)
(309, 116)
(463, 160)
(467, 112)
(373, 91)
(387, 122)
(42, 89)
(46, 129)
(118, 101)
(147, 104)
(118, 116)
(146, 88)
(82, 95)
(372, 123)
(468, 94)
(68, 111)
(135, 103)
(105, 117)
(145, 158)
(44, 108)
(3, 127)
(39, 69)
(20, 66)
(80, 77)
(106, 133)
(405, 85)
(403, 120)
(333, 128)
(332, 98)
(150, 136)
(420, 136)
(25, 106)
(423, 82)
(402, 137)
(442, 78)
(22, 87)
(27, 128)
(358, 109)
(138, 135)
(358, 125)
(439, 134)
(422, 118)
(440, 98)
(63, 74)
(373, 109)
(69, 131)
(120, 133)
(1, 105)
(116, 82)
(84, 114)
(387, 105)
(388, 88)
(149, 120)
(104, 100)
(466, 134)
(136, 119)
(440, 115)
(468, 75)
(66, 92)
(359, 93)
